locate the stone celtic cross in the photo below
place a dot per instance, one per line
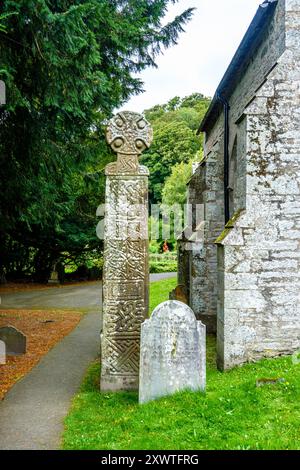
(125, 274)
(128, 134)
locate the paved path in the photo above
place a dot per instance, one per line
(85, 296)
(32, 413)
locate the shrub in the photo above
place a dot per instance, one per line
(163, 266)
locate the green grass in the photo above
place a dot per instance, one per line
(232, 414)
(159, 291)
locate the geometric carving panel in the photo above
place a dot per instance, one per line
(121, 356)
(125, 259)
(126, 290)
(125, 317)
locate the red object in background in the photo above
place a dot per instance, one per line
(165, 247)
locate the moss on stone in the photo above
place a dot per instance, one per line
(232, 221)
(230, 224)
(223, 235)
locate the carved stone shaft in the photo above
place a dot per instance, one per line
(126, 273)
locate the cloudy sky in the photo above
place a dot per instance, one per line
(203, 52)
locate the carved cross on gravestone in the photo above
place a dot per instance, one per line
(125, 273)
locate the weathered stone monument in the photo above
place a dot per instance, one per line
(173, 352)
(15, 341)
(53, 278)
(2, 93)
(2, 352)
(179, 293)
(54, 275)
(125, 273)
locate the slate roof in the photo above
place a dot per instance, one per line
(240, 62)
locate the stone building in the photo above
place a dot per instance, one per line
(244, 278)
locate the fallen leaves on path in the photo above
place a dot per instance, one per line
(43, 330)
(13, 287)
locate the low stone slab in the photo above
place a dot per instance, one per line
(2, 352)
(15, 341)
(54, 278)
(179, 293)
(173, 352)
(262, 382)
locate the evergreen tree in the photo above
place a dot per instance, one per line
(66, 64)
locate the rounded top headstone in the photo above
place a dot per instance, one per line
(129, 133)
(175, 309)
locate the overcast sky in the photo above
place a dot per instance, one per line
(203, 53)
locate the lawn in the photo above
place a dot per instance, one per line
(159, 291)
(232, 414)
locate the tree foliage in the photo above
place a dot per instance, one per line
(3, 19)
(175, 188)
(66, 64)
(175, 141)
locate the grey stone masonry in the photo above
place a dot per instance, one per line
(172, 352)
(247, 274)
(203, 281)
(205, 190)
(259, 255)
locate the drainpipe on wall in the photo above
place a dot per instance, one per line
(226, 156)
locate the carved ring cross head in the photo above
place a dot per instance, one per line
(129, 133)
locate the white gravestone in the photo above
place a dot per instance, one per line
(173, 352)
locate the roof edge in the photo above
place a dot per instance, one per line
(239, 62)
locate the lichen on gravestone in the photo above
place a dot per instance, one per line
(173, 352)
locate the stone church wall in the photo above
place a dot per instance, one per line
(249, 279)
(259, 257)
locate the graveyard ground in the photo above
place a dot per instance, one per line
(43, 330)
(233, 414)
